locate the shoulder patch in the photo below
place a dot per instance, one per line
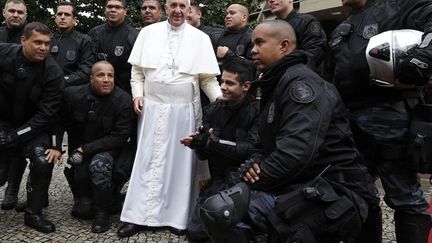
(314, 28)
(302, 92)
(370, 30)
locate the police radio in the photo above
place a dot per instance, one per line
(91, 115)
(55, 49)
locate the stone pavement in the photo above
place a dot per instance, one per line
(68, 229)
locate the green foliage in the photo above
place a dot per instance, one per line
(91, 12)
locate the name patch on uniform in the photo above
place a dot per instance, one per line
(302, 92)
(370, 30)
(118, 51)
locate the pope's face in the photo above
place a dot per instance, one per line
(177, 11)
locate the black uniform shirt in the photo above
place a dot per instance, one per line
(239, 43)
(310, 36)
(30, 93)
(96, 123)
(303, 126)
(235, 123)
(74, 53)
(11, 35)
(115, 43)
(349, 41)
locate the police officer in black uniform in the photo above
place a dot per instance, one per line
(114, 41)
(98, 118)
(308, 184)
(15, 14)
(194, 19)
(235, 42)
(70, 48)
(233, 121)
(310, 35)
(380, 116)
(31, 85)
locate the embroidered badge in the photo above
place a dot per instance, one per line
(370, 30)
(240, 49)
(314, 28)
(302, 92)
(70, 55)
(118, 51)
(271, 113)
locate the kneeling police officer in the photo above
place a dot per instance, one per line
(306, 182)
(98, 119)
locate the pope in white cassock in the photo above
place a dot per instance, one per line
(170, 60)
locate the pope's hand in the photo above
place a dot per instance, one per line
(138, 105)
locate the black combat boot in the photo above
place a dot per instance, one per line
(82, 208)
(16, 171)
(118, 197)
(4, 169)
(412, 228)
(11, 197)
(38, 222)
(102, 202)
(33, 212)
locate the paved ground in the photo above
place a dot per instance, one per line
(70, 229)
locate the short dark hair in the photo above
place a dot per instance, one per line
(197, 6)
(243, 70)
(36, 26)
(16, 2)
(66, 3)
(122, 1)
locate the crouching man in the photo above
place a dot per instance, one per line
(228, 137)
(307, 183)
(31, 86)
(98, 119)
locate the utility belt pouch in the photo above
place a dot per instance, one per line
(419, 153)
(317, 206)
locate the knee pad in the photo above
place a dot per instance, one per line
(39, 165)
(101, 170)
(222, 211)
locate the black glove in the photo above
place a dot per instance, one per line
(200, 141)
(244, 168)
(76, 158)
(8, 139)
(415, 69)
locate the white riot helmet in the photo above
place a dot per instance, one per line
(385, 52)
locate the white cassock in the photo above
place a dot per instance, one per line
(175, 63)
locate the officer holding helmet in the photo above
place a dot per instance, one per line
(380, 116)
